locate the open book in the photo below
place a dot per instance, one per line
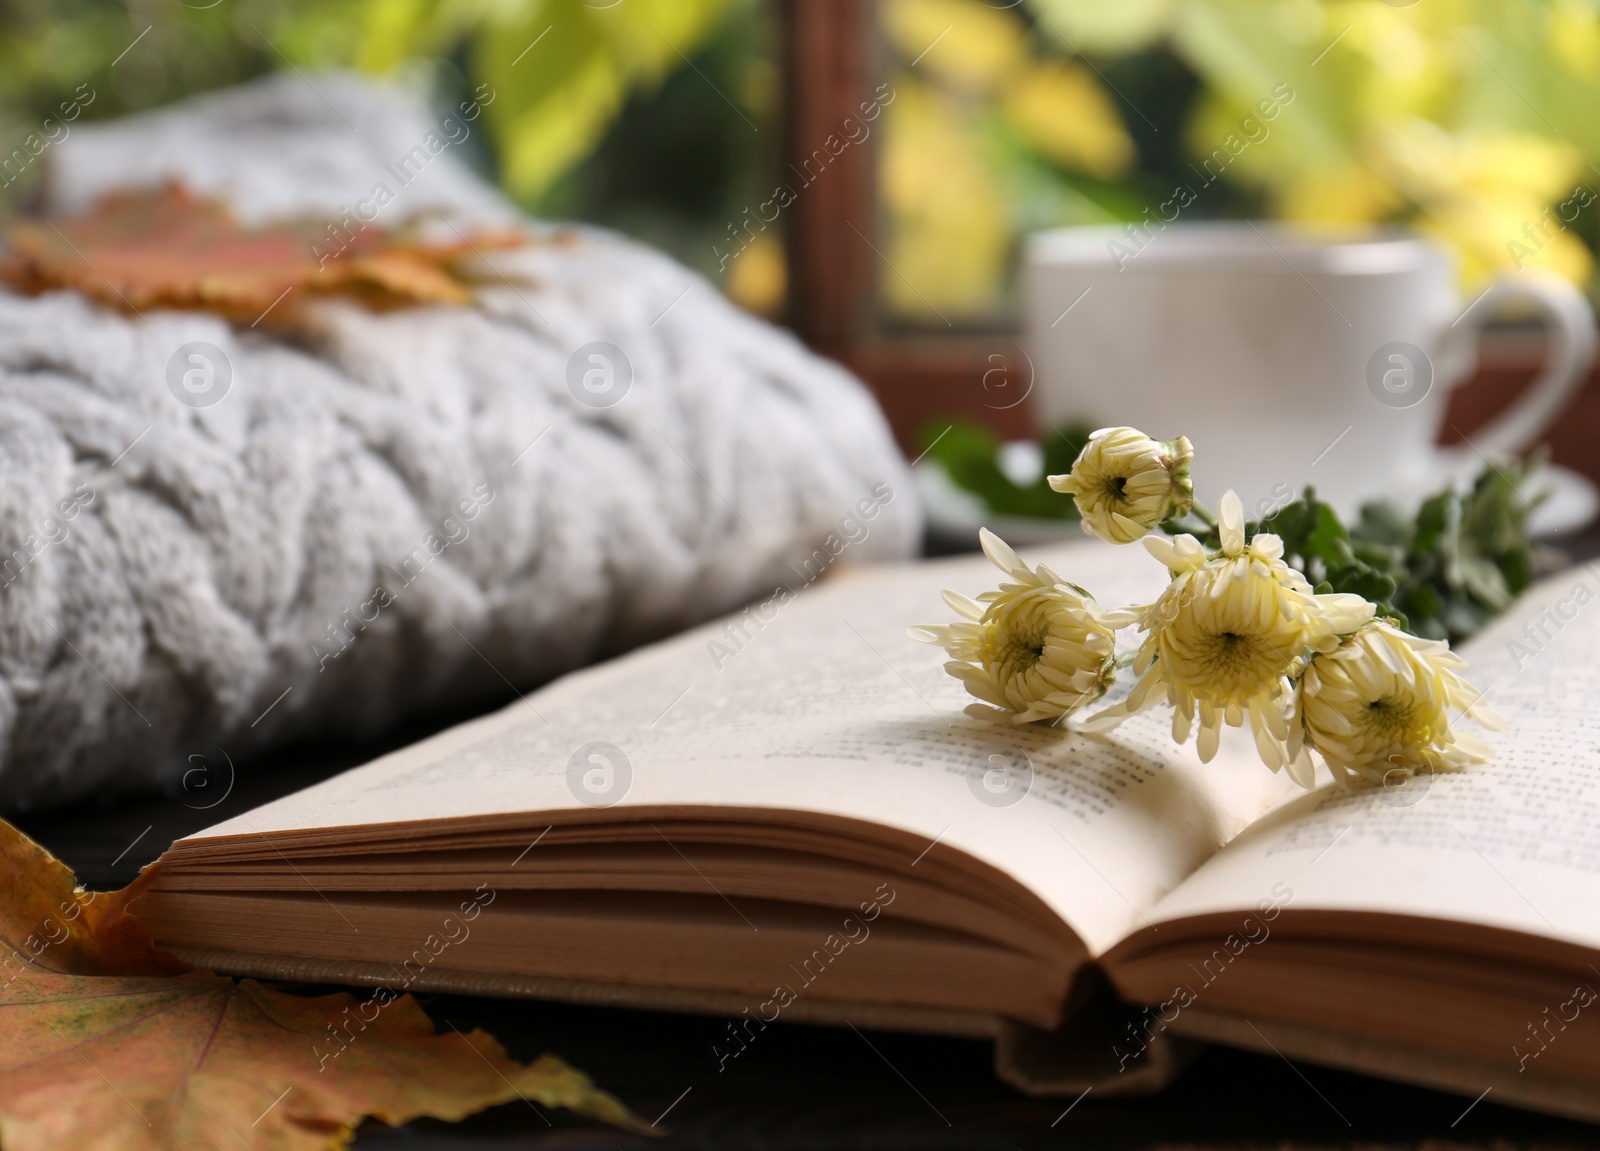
(785, 815)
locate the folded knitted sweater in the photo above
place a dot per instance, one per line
(214, 538)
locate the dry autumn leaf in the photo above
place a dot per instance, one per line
(110, 1044)
(145, 249)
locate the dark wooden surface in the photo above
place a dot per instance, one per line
(809, 1087)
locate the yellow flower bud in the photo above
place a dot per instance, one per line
(1126, 483)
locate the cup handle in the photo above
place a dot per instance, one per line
(1571, 349)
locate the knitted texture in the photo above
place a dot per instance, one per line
(410, 511)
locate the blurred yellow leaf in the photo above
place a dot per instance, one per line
(560, 74)
(1518, 161)
(1394, 64)
(543, 140)
(555, 73)
(1430, 163)
(556, 86)
(1061, 110)
(1299, 21)
(949, 222)
(394, 31)
(1574, 36)
(758, 278)
(1488, 237)
(966, 43)
(1453, 115)
(1110, 26)
(1470, 119)
(1350, 194)
(1485, 196)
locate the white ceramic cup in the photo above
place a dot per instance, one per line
(1288, 358)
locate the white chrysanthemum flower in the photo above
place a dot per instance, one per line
(1038, 647)
(1125, 483)
(1224, 636)
(1381, 702)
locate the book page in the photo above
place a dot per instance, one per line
(1514, 843)
(819, 701)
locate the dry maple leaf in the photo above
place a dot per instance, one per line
(109, 1044)
(146, 249)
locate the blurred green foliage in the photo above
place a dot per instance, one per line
(642, 114)
(1472, 120)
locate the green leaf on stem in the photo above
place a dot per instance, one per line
(1443, 573)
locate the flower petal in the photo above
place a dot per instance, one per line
(1000, 553)
(1301, 770)
(1230, 523)
(962, 605)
